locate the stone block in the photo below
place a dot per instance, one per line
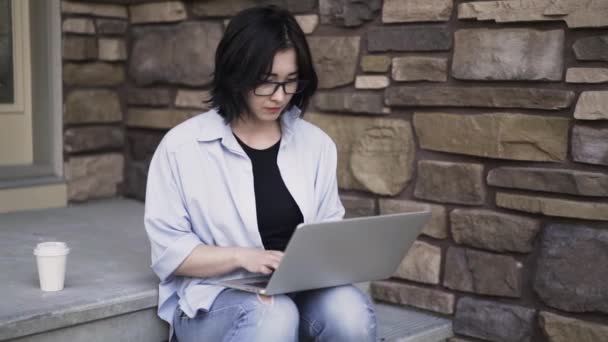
(149, 96)
(587, 75)
(348, 13)
(492, 97)
(159, 12)
(495, 135)
(112, 49)
(79, 48)
(554, 207)
(437, 225)
(351, 102)
(78, 25)
(111, 26)
(136, 175)
(575, 13)
(418, 68)
(375, 63)
(482, 273)
(93, 177)
(335, 59)
(416, 296)
(558, 328)
(493, 321)
(590, 145)
(508, 54)
(222, 8)
(356, 206)
(493, 231)
(421, 264)
(196, 41)
(572, 182)
(157, 118)
(92, 106)
(409, 38)
(458, 183)
(98, 10)
(572, 270)
(593, 48)
(382, 158)
(308, 23)
(83, 139)
(93, 74)
(193, 99)
(592, 105)
(372, 82)
(141, 144)
(396, 11)
(374, 154)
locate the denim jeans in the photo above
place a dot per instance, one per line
(341, 313)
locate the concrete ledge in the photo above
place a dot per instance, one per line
(46, 194)
(135, 326)
(108, 271)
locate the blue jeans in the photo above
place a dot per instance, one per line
(341, 313)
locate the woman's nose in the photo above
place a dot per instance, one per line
(278, 95)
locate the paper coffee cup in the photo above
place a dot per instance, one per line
(51, 259)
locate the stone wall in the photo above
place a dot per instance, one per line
(494, 113)
(94, 84)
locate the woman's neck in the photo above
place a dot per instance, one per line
(257, 134)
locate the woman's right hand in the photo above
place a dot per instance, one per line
(258, 260)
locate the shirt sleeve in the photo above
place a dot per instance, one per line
(329, 206)
(166, 219)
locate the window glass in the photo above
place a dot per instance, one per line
(6, 53)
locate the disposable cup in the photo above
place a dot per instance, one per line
(51, 259)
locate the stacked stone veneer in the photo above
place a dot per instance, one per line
(493, 113)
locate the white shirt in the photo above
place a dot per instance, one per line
(200, 191)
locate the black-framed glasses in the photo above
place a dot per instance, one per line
(268, 88)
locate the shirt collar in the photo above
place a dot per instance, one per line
(213, 127)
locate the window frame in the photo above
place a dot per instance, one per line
(47, 100)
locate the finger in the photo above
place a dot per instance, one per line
(277, 253)
(265, 270)
(274, 259)
(273, 264)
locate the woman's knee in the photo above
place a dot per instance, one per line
(347, 314)
(273, 318)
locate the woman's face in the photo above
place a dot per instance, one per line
(267, 108)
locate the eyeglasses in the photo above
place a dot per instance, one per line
(268, 88)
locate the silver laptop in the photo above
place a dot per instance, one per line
(339, 252)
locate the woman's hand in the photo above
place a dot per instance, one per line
(258, 260)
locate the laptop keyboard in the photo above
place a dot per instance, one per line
(261, 284)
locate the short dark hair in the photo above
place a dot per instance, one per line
(245, 54)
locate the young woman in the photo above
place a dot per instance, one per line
(227, 188)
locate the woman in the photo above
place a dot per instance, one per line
(227, 188)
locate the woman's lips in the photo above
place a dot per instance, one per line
(273, 109)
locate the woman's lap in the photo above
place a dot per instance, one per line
(341, 313)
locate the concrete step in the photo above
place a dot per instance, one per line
(110, 292)
(397, 323)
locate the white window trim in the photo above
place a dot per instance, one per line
(47, 104)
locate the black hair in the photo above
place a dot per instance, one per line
(245, 54)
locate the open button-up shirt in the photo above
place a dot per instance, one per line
(200, 191)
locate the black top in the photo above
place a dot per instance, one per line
(278, 213)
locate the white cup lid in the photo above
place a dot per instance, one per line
(52, 248)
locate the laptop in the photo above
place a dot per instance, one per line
(339, 252)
